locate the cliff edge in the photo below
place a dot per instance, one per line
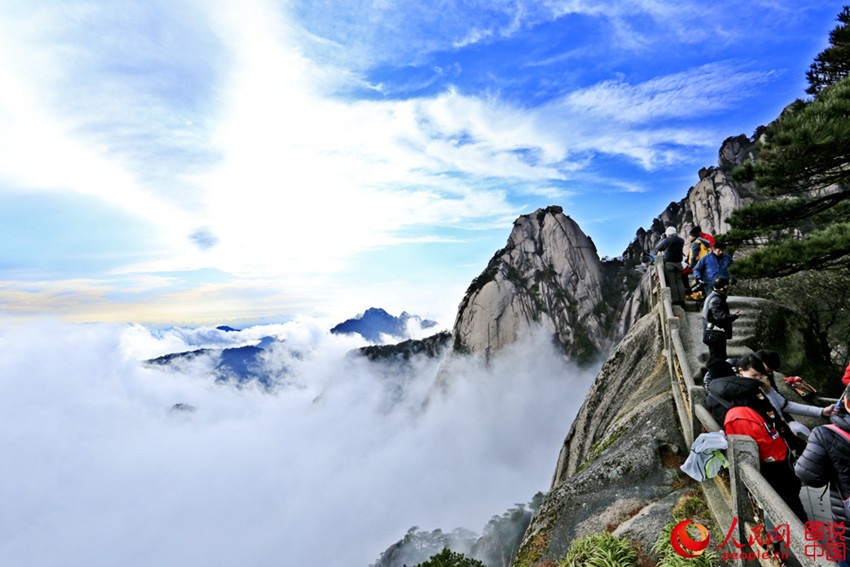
(620, 459)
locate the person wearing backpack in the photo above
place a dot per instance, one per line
(740, 405)
(826, 460)
(699, 245)
(717, 320)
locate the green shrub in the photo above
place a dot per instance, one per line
(601, 550)
(691, 505)
(449, 558)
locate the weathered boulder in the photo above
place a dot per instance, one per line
(709, 204)
(736, 150)
(549, 274)
(645, 526)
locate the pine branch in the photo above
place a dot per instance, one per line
(820, 250)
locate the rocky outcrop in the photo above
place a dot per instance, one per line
(710, 203)
(707, 204)
(548, 274)
(430, 347)
(620, 457)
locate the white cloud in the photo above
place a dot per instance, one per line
(221, 130)
(330, 469)
(688, 94)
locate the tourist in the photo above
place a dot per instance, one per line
(699, 245)
(713, 265)
(738, 403)
(717, 320)
(770, 360)
(826, 459)
(673, 246)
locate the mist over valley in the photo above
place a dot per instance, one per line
(329, 462)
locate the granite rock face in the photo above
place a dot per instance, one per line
(549, 274)
(619, 459)
(707, 204)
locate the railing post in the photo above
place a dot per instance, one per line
(696, 397)
(667, 319)
(742, 449)
(666, 295)
(659, 269)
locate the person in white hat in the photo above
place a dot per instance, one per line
(673, 246)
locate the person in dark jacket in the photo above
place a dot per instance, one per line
(826, 460)
(739, 404)
(673, 246)
(717, 368)
(717, 320)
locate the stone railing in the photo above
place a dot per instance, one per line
(740, 502)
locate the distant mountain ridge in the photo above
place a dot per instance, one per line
(243, 364)
(376, 322)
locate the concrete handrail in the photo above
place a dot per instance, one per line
(746, 482)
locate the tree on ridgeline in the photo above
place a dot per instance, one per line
(795, 236)
(449, 558)
(833, 63)
(802, 170)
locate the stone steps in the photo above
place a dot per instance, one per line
(743, 330)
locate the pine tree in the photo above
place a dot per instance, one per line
(803, 163)
(833, 63)
(449, 558)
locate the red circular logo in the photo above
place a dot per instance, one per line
(682, 542)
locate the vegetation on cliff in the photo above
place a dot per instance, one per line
(801, 172)
(801, 169)
(794, 238)
(449, 558)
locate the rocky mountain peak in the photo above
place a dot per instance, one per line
(375, 322)
(707, 204)
(548, 274)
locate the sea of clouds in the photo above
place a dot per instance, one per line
(331, 466)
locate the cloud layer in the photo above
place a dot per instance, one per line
(333, 467)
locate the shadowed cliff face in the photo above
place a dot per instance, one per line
(549, 274)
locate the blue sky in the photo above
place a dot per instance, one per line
(215, 161)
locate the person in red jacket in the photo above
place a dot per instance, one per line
(846, 379)
(755, 416)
